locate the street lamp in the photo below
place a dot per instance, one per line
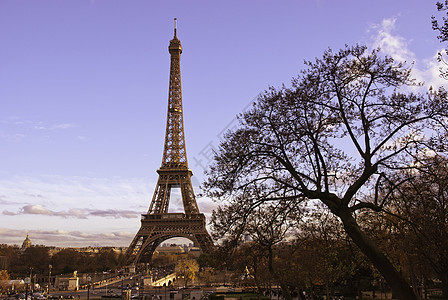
(49, 278)
(142, 287)
(88, 287)
(225, 272)
(122, 286)
(27, 281)
(31, 280)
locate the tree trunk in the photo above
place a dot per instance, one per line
(327, 288)
(444, 279)
(400, 287)
(425, 286)
(285, 291)
(413, 276)
(257, 283)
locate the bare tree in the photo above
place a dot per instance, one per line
(326, 252)
(334, 136)
(442, 27)
(423, 201)
(266, 225)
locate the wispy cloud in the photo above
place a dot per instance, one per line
(79, 213)
(4, 201)
(112, 213)
(38, 125)
(54, 191)
(65, 237)
(385, 36)
(16, 129)
(12, 137)
(54, 126)
(206, 205)
(8, 213)
(46, 204)
(71, 203)
(35, 210)
(390, 42)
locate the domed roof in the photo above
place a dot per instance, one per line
(27, 242)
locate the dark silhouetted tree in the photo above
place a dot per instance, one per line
(335, 136)
(442, 27)
(66, 261)
(267, 225)
(423, 202)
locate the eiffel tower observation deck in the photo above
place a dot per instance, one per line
(157, 225)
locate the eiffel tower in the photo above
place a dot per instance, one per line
(158, 225)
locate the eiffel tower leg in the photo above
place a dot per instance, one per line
(205, 242)
(134, 252)
(188, 198)
(159, 203)
(143, 252)
(132, 246)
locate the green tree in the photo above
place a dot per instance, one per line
(335, 136)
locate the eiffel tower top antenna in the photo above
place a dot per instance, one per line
(175, 27)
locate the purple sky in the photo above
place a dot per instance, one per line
(84, 89)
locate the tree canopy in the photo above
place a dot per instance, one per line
(423, 204)
(441, 26)
(187, 269)
(337, 135)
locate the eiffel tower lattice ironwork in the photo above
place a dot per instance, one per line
(159, 225)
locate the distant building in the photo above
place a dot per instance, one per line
(171, 249)
(27, 242)
(67, 282)
(96, 250)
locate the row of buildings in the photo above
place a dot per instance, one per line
(164, 248)
(75, 281)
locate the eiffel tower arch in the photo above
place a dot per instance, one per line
(157, 225)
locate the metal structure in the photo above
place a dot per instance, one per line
(159, 225)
